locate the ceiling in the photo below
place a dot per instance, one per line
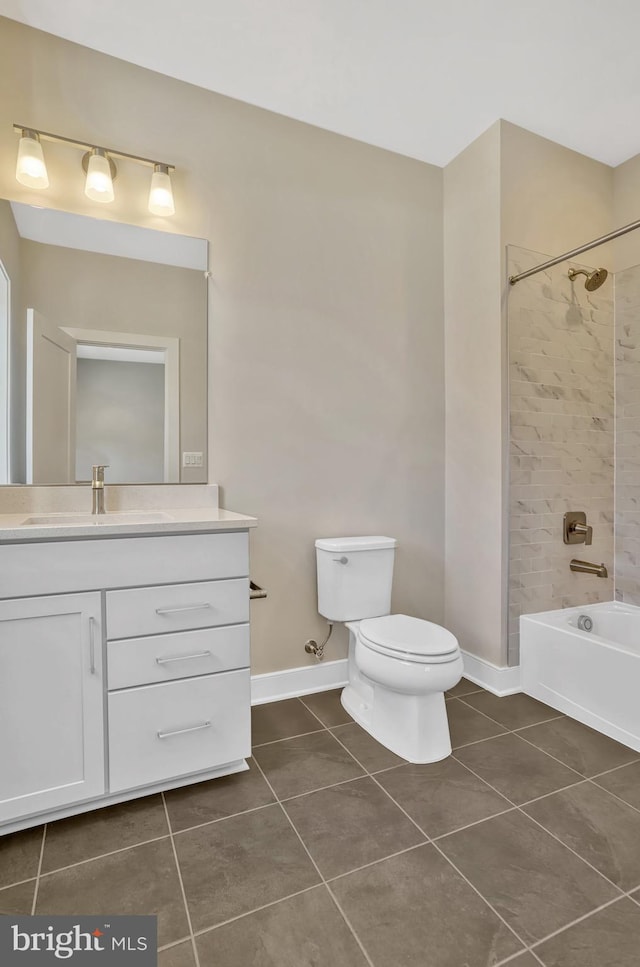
(419, 77)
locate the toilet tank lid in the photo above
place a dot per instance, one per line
(341, 545)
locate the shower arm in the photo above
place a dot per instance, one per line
(576, 251)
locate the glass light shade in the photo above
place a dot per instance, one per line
(160, 193)
(31, 171)
(99, 183)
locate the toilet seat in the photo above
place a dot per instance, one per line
(410, 639)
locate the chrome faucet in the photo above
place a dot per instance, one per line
(97, 488)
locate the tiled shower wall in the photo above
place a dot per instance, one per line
(561, 380)
(627, 523)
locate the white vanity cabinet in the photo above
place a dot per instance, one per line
(51, 716)
(139, 681)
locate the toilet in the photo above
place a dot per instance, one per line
(399, 667)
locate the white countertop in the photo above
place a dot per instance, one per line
(179, 521)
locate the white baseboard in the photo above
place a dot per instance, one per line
(500, 681)
(293, 682)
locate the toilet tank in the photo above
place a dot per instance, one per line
(354, 576)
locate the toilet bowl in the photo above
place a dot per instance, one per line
(399, 670)
(399, 666)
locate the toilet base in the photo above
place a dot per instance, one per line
(415, 727)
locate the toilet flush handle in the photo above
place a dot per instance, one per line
(341, 560)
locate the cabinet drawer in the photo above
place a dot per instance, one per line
(161, 658)
(176, 607)
(164, 731)
(57, 566)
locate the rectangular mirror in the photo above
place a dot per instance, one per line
(103, 350)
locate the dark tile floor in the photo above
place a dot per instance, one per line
(522, 848)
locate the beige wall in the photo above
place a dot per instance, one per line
(326, 312)
(552, 199)
(86, 290)
(473, 354)
(626, 207)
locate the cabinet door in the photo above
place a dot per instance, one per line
(51, 703)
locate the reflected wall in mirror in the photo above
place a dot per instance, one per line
(103, 350)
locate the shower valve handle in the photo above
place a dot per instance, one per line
(585, 529)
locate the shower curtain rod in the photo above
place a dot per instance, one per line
(575, 251)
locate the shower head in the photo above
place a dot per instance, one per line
(594, 279)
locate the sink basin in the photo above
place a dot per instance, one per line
(82, 520)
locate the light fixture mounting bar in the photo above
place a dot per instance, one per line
(86, 146)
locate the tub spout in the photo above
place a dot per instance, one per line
(598, 569)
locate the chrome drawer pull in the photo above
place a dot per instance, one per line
(192, 728)
(166, 661)
(186, 607)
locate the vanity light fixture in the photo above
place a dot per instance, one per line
(99, 166)
(31, 171)
(101, 170)
(160, 193)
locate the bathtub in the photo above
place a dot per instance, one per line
(593, 676)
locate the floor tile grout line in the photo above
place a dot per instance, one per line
(488, 738)
(478, 688)
(614, 796)
(101, 856)
(513, 957)
(608, 772)
(180, 880)
(477, 822)
(546, 795)
(573, 923)
(12, 886)
(247, 913)
(381, 859)
(486, 782)
(319, 872)
(174, 943)
(550, 718)
(575, 853)
(221, 819)
(483, 714)
(387, 793)
(298, 735)
(342, 782)
(482, 897)
(39, 873)
(309, 709)
(555, 758)
(350, 926)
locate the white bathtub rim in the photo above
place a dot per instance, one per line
(555, 619)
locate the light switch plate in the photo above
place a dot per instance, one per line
(192, 458)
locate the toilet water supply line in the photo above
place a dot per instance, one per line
(313, 648)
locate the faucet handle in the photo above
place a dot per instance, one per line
(585, 530)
